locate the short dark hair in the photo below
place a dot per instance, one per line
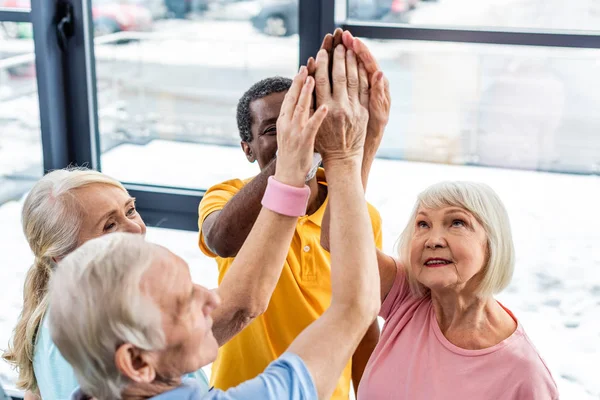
(263, 88)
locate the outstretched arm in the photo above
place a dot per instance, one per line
(354, 276)
(248, 285)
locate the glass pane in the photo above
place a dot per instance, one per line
(536, 14)
(175, 88)
(507, 106)
(20, 167)
(16, 4)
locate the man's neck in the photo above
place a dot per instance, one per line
(318, 194)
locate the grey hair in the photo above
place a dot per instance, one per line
(260, 89)
(97, 304)
(480, 200)
(51, 219)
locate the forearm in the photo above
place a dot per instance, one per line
(367, 162)
(358, 281)
(363, 353)
(235, 221)
(374, 135)
(248, 285)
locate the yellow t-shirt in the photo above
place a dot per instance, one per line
(302, 294)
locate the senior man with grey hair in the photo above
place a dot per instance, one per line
(128, 318)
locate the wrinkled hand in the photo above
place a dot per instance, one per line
(342, 133)
(330, 42)
(380, 99)
(296, 131)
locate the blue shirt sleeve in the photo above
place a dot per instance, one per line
(285, 378)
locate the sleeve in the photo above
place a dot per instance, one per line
(213, 200)
(285, 378)
(398, 294)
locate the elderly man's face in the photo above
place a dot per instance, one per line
(265, 112)
(186, 310)
(448, 249)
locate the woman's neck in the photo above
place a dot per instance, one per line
(471, 322)
(143, 391)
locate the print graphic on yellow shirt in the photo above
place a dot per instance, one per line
(302, 294)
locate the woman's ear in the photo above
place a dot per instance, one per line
(135, 364)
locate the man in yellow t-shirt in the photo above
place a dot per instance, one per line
(226, 216)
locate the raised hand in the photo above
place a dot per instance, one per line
(342, 133)
(296, 131)
(380, 99)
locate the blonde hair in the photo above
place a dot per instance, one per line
(484, 204)
(107, 270)
(51, 220)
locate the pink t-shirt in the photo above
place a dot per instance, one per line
(414, 360)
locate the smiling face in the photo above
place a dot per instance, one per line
(448, 249)
(107, 209)
(264, 112)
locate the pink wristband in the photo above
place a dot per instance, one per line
(285, 199)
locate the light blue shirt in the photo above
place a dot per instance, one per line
(56, 378)
(285, 378)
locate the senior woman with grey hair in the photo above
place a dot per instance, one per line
(445, 335)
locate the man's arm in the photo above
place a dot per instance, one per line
(226, 230)
(248, 285)
(363, 352)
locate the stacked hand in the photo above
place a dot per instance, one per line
(379, 91)
(342, 133)
(296, 131)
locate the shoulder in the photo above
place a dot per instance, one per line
(188, 390)
(54, 375)
(218, 195)
(373, 212)
(285, 378)
(232, 185)
(536, 381)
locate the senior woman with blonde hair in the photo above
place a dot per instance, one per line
(445, 336)
(64, 209)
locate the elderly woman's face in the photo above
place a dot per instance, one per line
(107, 209)
(448, 248)
(186, 310)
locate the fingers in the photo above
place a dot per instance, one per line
(348, 40)
(327, 42)
(337, 37)
(352, 76)
(311, 66)
(302, 110)
(323, 87)
(340, 90)
(363, 85)
(380, 84)
(291, 97)
(314, 123)
(364, 54)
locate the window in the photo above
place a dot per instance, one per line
(581, 15)
(168, 88)
(492, 105)
(20, 140)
